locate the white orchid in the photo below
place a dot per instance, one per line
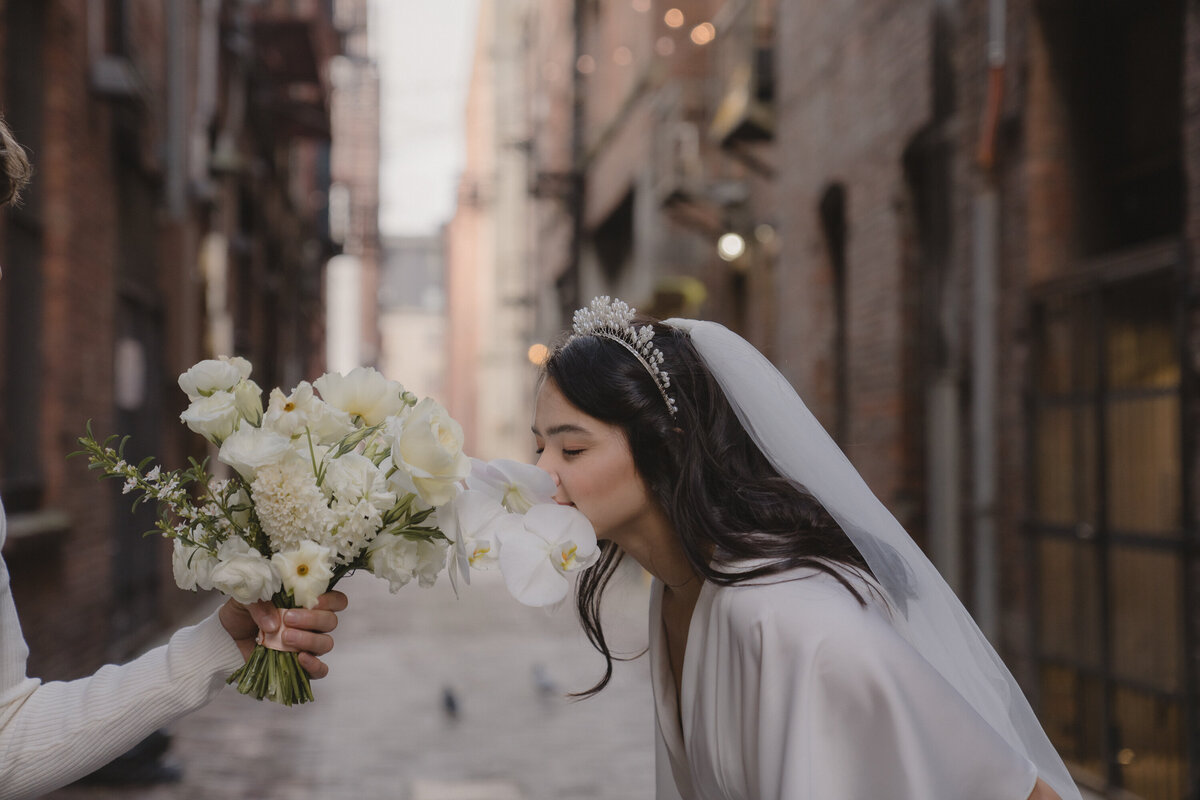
(305, 571)
(214, 416)
(470, 522)
(250, 448)
(243, 573)
(536, 556)
(220, 374)
(517, 486)
(428, 444)
(364, 393)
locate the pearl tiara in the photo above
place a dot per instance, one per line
(613, 319)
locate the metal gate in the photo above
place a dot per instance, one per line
(1108, 542)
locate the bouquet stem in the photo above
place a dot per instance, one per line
(273, 675)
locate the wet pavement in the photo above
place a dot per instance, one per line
(382, 727)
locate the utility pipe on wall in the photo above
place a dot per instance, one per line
(984, 360)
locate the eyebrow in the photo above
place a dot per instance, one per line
(557, 429)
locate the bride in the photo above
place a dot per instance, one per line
(801, 645)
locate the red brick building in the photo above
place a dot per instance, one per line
(969, 233)
(178, 211)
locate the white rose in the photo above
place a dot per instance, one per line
(192, 566)
(353, 477)
(518, 487)
(243, 573)
(305, 571)
(364, 393)
(249, 448)
(215, 416)
(427, 444)
(214, 375)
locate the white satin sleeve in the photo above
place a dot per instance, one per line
(54, 733)
(821, 698)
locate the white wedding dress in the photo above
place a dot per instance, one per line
(792, 689)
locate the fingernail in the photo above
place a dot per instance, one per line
(290, 618)
(291, 637)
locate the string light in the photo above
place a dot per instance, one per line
(704, 33)
(673, 18)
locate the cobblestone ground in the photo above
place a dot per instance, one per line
(379, 728)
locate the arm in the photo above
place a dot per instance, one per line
(1043, 792)
(53, 733)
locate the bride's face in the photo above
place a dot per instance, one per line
(591, 464)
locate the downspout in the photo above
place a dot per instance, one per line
(984, 290)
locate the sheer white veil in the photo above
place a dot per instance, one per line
(928, 614)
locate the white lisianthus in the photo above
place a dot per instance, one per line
(192, 566)
(250, 448)
(290, 506)
(302, 411)
(551, 542)
(470, 521)
(243, 573)
(215, 416)
(398, 559)
(214, 375)
(364, 393)
(427, 444)
(518, 487)
(305, 571)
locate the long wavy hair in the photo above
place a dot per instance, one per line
(725, 501)
(14, 166)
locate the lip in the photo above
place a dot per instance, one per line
(561, 503)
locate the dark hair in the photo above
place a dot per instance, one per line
(14, 166)
(723, 498)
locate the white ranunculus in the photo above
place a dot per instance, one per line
(470, 521)
(214, 375)
(250, 448)
(364, 393)
(536, 556)
(243, 573)
(398, 559)
(427, 444)
(519, 487)
(302, 411)
(192, 566)
(214, 416)
(248, 397)
(305, 571)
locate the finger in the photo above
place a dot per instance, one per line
(306, 641)
(310, 619)
(332, 601)
(265, 616)
(315, 667)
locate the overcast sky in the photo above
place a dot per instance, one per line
(424, 54)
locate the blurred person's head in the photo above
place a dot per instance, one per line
(14, 166)
(622, 455)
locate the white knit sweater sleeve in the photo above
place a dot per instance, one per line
(54, 733)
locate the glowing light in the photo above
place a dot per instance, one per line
(538, 353)
(665, 46)
(731, 246)
(622, 56)
(704, 33)
(586, 64)
(764, 233)
(674, 18)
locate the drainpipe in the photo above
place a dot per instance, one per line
(984, 279)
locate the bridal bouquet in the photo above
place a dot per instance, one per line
(349, 472)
